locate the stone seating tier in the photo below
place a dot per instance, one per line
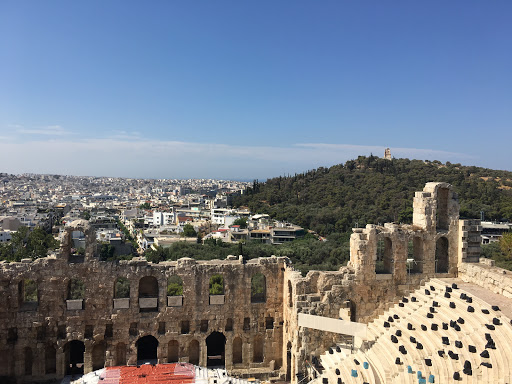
(381, 352)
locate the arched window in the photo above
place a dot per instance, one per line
(215, 349)
(258, 288)
(122, 288)
(415, 255)
(290, 294)
(76, 289)
(29, 291)
(193, 352)
(173, 351)
(50, 359)
(384, 259)
(27, 295)
(74, 351)
(237, 350)
(257, 354)
(442, 218)
(442, 255)
(174, 286)
(229, 325)
(120, 354)
(98, 356)
(147, 349)
(352, 307)
(28, 360)
(216, 285)
(148, 294)
(148, 287)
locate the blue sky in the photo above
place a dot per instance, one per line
(243, 90)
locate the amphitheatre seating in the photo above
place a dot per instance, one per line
(431, 335)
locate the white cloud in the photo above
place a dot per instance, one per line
(125, 135)
(127, 157)
(49, 130)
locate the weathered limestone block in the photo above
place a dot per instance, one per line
(122, 303)
(72, 305)
(148, 302)
(217, 299)
(174, 301)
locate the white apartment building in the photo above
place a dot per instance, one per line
(163, 218)
(5, 236)
(223, 216)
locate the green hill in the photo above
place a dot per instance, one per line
(375, 190)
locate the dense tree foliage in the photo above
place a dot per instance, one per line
(28, 244)
(122, 288)
(216, 285)
(189, 231)
(499, 252)
(174, 286)
(106, 251)
(306, 254)
(375, 190)
(506, 245)
(241, 221)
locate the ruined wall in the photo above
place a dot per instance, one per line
(39, 333)
(261, 338)
(386, 263)
(486, 275)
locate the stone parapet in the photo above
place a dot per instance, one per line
(494, 279)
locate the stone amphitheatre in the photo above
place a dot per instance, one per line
(413, 305)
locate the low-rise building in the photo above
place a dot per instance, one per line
(492, 231)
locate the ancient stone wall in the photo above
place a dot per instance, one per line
(38, 338)
(386, 263)
(257, 328)
(486, 275)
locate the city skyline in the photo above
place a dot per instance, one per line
(252, 90)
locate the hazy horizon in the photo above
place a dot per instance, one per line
(241, 90)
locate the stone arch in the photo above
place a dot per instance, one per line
(229, 325)
(27, 291)
(258, 288)
(215, 349)
(384, 257)
(173, 351)
(121, 354)
(216, 286)
(442, 216)
(122, 288)
(415, 255)
(74, 357)
(76, 289)
(290, 294)
(28, 360)
(148, 287)
(442, 260)
(237, 351)
(352, 308)
(148, 294)
(174, 286)
(50, 359)
(147, 349)
(193, 352)
(257, 351)
(69, 250)
(98, 356)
